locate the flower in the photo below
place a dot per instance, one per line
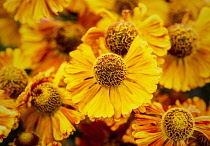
(34, 10)
(200, 104)
(48, 109)
(111, 29)
(186, 65)
(109, 85)
(26, 139)
(172, 11)
(13, 77)
(172, 127)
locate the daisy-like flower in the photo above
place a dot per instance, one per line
(8, 116)
(26, 139)
(171, 127)
(34, 10)
(186, 65)
(198, 102)
(119, 33)
(13, 77)
(172, 11)
(109, 85)
(48, 109)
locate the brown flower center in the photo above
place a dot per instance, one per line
(67, 38)
(183, 40)
(120, 36)
(121, 5)
(46, 98)
(13, 80)
(178, 124)
(109, 70)
(27, 139)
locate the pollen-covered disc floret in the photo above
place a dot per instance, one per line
(13, 80)
(109, 70)
(46, 98)
(178, 124)
(27, 139)
(183, 40)
(120, 36)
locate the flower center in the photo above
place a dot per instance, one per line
(46, 98)
(27, 139)
(120, 36)
(109, 70)
(178, 124)
(67, 38)
(13, 80)
(121, 5)
(183, 40)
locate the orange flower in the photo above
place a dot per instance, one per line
(48, 109)
(172, 127)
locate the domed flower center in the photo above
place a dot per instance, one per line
(27, 139)
(121, 5)
(177, 124)
(13, 80)
(183, 40)
(109, 70)
(46, 98)
(120, 36)
(67, 38)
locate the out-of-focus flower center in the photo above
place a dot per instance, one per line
(67, 38)
(183, 40)
(46, 98)
(27, 139)
(120, 36)
(121, 5)
(13, 80)
(178, 124)
(109, 70)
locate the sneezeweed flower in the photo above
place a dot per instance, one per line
(34, 10)
(50, 40)
(26, 139)
(186, 65)
(172, 11)
(199, 103)
(171, 127)
(48, 109)
(109, 85)
(118, 33)
(13, 77)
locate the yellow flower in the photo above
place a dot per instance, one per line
(13, 77)
(109, 85)
(118, 33)
(172, 127)
(49, 42)
(48, 109)
(34, 10)
(172, 11)
(186, 65)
